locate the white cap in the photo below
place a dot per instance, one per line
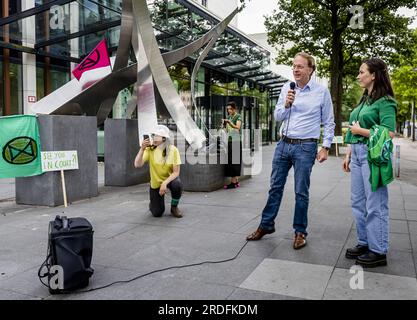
(161, 130)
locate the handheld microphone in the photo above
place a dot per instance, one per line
(292, 87)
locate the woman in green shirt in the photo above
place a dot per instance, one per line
(234, 147)
(370, 209)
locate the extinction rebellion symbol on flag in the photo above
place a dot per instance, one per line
(20, 146)
(20, 150)
(90, 61)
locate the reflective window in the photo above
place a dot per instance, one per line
(235, 68)
(16, 88)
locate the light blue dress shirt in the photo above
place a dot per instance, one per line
(312, 108)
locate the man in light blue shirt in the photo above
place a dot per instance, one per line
(302, 112)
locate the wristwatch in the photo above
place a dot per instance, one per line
(327, 148)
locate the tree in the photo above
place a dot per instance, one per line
(404, 80)
(323, 28)
(352, 93)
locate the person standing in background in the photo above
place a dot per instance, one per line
(234, 145)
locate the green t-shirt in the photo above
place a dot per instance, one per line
(381, 112)
(234, 133)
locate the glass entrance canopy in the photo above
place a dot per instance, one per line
(70, 29)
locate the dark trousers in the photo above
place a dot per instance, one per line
(157, 204)
(234, 159)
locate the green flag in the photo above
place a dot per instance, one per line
(19, 146)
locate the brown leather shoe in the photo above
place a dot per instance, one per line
(258, 234)
(176, 212)
(299, 240)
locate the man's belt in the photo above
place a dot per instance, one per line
(296, 141)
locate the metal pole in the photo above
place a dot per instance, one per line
(397, 161)
(64, 190)
(6, 64)
(413, 124)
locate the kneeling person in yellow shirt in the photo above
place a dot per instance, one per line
(164, 167)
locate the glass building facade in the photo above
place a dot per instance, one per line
(55, 35)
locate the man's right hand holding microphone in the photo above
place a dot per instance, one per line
(290, 98)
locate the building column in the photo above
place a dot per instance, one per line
(6, 63)
(28, 59)
(74, 21)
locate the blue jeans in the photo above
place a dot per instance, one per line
(370, 209)
(302, 156)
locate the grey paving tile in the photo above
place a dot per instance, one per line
(408, 189)
(375, 287)
(397, 214)
(411, 215)
(289, 278)
(231, 273)
(221, 224)
(399, 242)
(398, 226)
(11, 295)
(313, 253)
(183, 248)
(410, 202)
(181, 289)
(413, 238)
(14, 265)
(262, 248)
(395, 202)
(329, 229)
(245, 294)
(128, 241)
(413, 227)
(110, 229)
(26, 283)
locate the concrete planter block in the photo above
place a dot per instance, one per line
(121, 144)
(203, 177)
(246, 154)
(59, 133)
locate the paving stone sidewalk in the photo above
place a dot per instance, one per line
(128, 241)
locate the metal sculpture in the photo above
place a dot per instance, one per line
(98, 99)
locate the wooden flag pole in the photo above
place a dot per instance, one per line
(64, 191)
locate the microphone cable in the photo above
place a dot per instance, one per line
(292, 87)
(157, 271)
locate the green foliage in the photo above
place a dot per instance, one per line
(352, 93)
(310, 25)
(179, 73)
(322, 28)
(404, 80)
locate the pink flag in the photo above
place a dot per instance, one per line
(95, 66)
